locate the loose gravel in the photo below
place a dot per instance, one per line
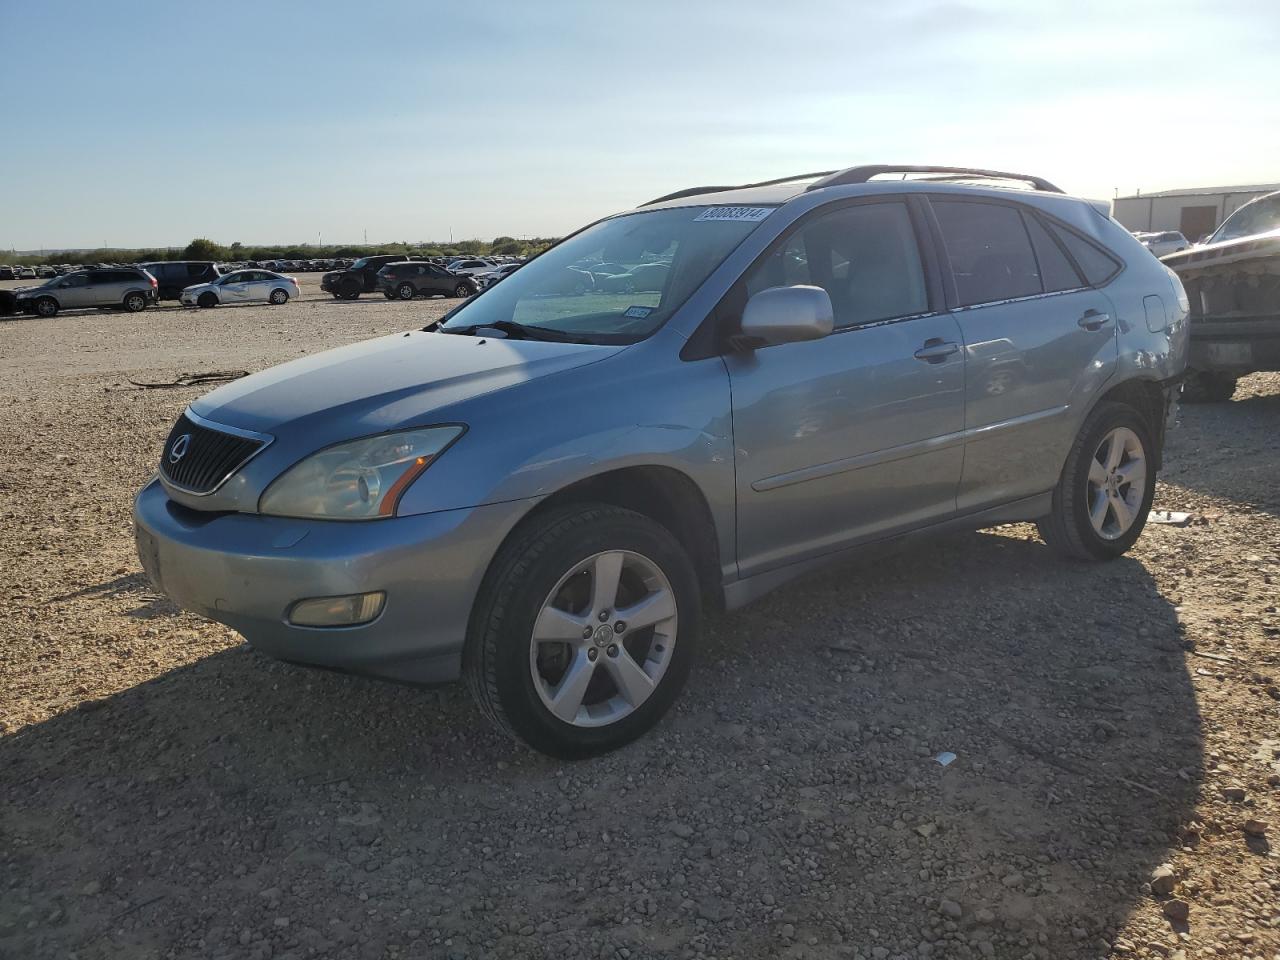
(167, 792)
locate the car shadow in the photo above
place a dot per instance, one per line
(801, 796)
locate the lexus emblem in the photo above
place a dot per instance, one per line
(179, 448)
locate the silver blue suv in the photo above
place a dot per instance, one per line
(669, 413)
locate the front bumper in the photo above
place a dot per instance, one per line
(247, 570)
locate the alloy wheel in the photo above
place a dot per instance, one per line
(1117, 483)
(603, 638)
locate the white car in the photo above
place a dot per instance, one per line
(493, 276)
(243, 286)
(471, 266)
(1163, 242)
(27, 273)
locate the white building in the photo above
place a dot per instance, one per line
(1196, 211)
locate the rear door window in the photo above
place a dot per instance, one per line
(989, 249)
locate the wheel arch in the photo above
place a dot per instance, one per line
(1146, 395)
(665, 495)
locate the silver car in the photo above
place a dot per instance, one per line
(123, 288)
(547, 491)
(242, 286)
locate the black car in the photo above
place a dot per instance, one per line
(360, 277)
(8, 303)
(174, 275)
(406, 280)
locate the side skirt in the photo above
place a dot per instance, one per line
(741, 592)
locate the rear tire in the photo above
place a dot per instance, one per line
(405, 291)
(278, 297)
(135, 303)
(1203, 387)
(46, 307)
(559, 555)
(207, 300)
(1104, 495)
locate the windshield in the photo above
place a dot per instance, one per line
(359, 264)
(1260, 216)
(616, 281)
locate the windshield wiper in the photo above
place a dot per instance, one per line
(516, 331)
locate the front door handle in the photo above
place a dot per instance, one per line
(936, 350)
(1094, 320)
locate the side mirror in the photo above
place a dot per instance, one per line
(787, 314)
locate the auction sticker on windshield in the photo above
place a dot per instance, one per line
(750, 214)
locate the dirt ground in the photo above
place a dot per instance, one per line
(167, 792)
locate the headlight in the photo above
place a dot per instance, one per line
(357, 480)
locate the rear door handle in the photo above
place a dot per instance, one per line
(1094, 320)
(936, 350)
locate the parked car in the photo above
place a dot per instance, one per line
(24, 273)
(1233, 282)
(242, 286)
(1163, 242)
(123, 288)
(44, 271)
(174, 276)
(549, 490)
(7, 272)
(8, 303)
(470, 266)
(493, 276)
(406, 280)
(360, 277)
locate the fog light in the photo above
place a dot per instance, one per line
(338, 611)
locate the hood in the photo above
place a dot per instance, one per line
(390, 382)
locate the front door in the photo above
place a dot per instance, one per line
(858, 435)
(74, 291)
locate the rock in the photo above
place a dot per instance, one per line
(949, 908)
(682, 830)
(92, 888)
(1177, 910)
(1012, 880)
(787, 931)
(1163, 880)
(1255, 828)
(927, 829)
(985, 916)
(1234, 793)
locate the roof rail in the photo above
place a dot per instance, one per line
(696, 191)
(865, 173)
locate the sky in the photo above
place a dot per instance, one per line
(131, 124)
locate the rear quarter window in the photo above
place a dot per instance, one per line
(1096, 264)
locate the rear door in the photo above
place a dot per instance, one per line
(860, 434)
(1039, 343)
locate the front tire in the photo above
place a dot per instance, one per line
(584, 630)
(461, 291)
(207, 300)
(1104, 495)
(47, 307)
(1203, 387)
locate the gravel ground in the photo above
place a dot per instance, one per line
(166, 792)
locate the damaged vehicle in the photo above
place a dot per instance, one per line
(1233, 284)
(547, 491)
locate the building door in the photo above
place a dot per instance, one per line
(1198, 222)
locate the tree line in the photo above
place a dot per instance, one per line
(202, 248)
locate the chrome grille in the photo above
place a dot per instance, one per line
(207, 457)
